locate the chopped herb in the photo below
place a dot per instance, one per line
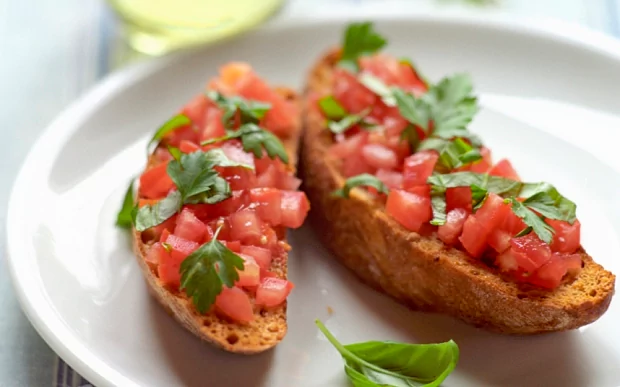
(174, 123)
(331, 108)
(175, 152)
(364, 179)
(124, 219)
(387, 363)
(410, 134)
(377, 86)
(452, 153)
(533, 221)
(438, 205)
(207, 270)
(415, 110)
(249, 111)
(360, 39)
(254, 139)
(149, 216)
(349, 121)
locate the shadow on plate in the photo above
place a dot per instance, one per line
(218, 367)
(559, 359)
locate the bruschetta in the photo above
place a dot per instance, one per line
(212, 208)
(411, 201)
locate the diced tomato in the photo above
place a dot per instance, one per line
(245, 226)
(268, 178)
(418, 168)
(234, 151)
(190, 227)
(353, 96)
(268, 204)
(409, 209)
(349, 146)
(356, 165)
(235, 303)
(507, 261)
(164, 235)
(234, 246)
(250, 275)
(513, 224)
(530, 252)
(450, 231)
(157, 253)
(226, 207)
(188, 146)
(155, 182)
(196, 110)
(270, 241)
(392, 179)
(499, 240)
(169, 269)
(239, 178)
(551, 273)
(261, 164)
(473, 237)
(214, 127)
(421, 190)
(261, 255)
(267, 274)
(187, 132)
(288, 182)
(459, 197)
(162, 154)
(504, 168)
(295, 207)
(273, 291)
(492, 213)
(567, 237)
(379, 156)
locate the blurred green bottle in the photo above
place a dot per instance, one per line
(158, 26)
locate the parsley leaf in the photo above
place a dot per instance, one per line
(364, 179)
(533, 221)
(410, 134)
(124, 219)
(438, 205)
(349, 121)
(360, 39)
(250, 111)
(151, 215)
(331, 108)
(171, 125)
(451, 102)
(386, 363)
(205, 271)
(414, 110)
(175, 152)
(254, 139)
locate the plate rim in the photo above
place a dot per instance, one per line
(31, 299)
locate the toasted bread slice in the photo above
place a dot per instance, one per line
(268, 327)
(422, 272)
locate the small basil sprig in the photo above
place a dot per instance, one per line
(250, 111)
(254, 139)
(453, 153)
(540, 197)
(197, 182)
(339, 120)
(364, 179)
(385, 363)
(359, 39)
(174, 123)
(207, 270)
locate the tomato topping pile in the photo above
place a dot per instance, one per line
(378, 147)
(263, 197)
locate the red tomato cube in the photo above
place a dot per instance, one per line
(474, 237)
(567, 237)
(190, 227)
(245, 226)
(392, 179)
(418, 168)
(268, 204)
(250, 275)
(450, 231)
(504, 168)
(235, 304)
(155, 182)
(273, 291)
(261, 255)
(530, 252)
(409, 209)
(459, 197)
(295, 207)
(169, 268)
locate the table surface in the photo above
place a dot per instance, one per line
(58, 50)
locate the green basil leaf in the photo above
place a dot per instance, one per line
(364, 179)
(360, 39)
(385, 363)
(348, 122)
(149, 216)
(175, 152)
(449, 134)
(331, 108)
(250, 111)
(414, 110)
(410, 134)
(174, 123)
(453, 153)
(124, 219)
(205, 271)
(478, 196)
(438, 205)
(530, 218)
(215, 193)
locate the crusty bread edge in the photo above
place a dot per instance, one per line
(442, 279)
(268, 327)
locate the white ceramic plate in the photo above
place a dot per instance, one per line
(79, 284)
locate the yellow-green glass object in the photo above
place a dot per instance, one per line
(158, 26)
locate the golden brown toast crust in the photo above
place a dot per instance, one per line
(268, 327)
(422, 272)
